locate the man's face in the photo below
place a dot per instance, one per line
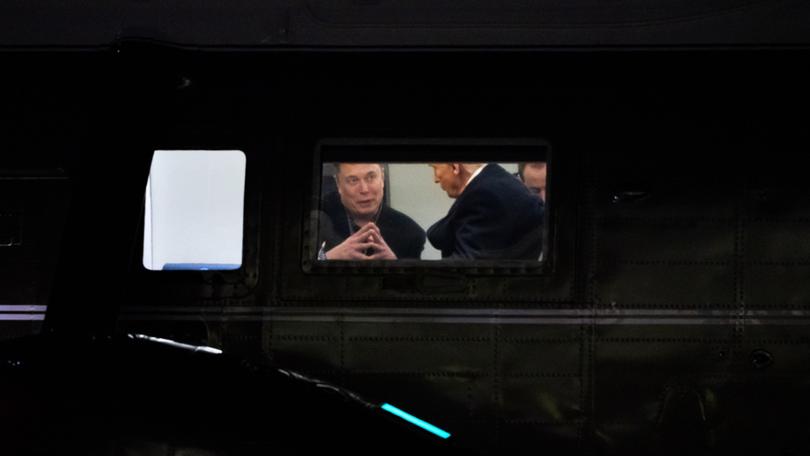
(360, 186)
(534, 177)
(448, 178)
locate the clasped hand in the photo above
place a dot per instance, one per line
(365, 244)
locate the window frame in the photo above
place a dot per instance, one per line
(423, 150)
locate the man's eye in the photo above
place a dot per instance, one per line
(352, 180)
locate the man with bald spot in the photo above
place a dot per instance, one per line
(355, 224)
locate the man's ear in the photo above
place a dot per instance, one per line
(456, 168)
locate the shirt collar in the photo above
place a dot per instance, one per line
(476, 173)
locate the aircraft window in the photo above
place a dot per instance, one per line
(194, 210)
(459, 211)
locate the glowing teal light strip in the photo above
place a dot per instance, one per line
(414, 420)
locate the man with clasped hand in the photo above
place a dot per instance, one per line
(355, 224)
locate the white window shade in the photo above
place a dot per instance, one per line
(194, 210)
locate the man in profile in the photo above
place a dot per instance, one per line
(533, 175)
(355, 224)
(494, 215)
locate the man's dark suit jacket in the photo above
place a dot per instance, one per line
(495, 217)
(404, 236)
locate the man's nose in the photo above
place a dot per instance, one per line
(363, 186)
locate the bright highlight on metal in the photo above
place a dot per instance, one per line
(194, 348)
(414, 420)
